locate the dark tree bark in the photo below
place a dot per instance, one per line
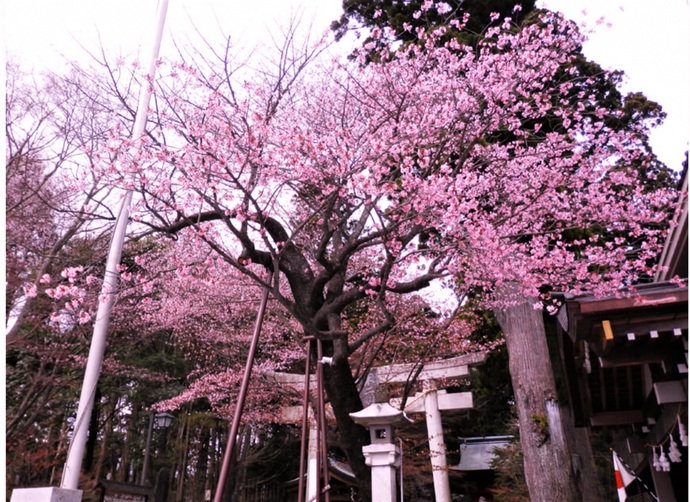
(181, 448)
(127, 448)
(162, 486)
(103, 448)
(214, 453)
(344, 398)
(199, 480)
(93, 432)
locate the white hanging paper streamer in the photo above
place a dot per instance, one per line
(655, 460)
(683, 433)
(673, 451)
(663, 461)
(587, 364)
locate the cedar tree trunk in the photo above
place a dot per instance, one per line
(549, 470)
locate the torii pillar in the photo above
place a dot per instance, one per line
(293, 415)
(431, 402)
(437, 445)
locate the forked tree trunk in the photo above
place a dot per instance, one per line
(549, 470)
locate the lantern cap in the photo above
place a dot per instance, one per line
(377, 414)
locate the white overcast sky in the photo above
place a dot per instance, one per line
(650, 41)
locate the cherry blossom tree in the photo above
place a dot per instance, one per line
(57, 228)
(617, 112)
(57, 212)
(355, 186)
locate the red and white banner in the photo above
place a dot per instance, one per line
(623, 477)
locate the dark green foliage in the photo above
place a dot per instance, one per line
(508, 465)
(395, 13)
(492, 394)
(273, 454)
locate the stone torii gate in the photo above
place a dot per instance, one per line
(431, 401)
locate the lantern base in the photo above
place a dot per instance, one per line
(383, 459)
(48, 494)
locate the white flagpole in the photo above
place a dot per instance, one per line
(75, 455)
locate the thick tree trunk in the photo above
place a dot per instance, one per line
(344, 398)
(544, 437)
(586, 474)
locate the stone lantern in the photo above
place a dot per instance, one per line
(382, 455)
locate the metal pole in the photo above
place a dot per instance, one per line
(147, 452)
(75, 454)
(322, 424)
(305, 426)
(319, 397)
(241, 398)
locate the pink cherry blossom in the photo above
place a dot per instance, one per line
(359, 185)
(30, 290)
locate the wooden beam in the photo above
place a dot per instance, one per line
(624, 417)
(628, 358)
(402, 373)
(294, 414)
(671, 295)
(454, 367)
(608, 332)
